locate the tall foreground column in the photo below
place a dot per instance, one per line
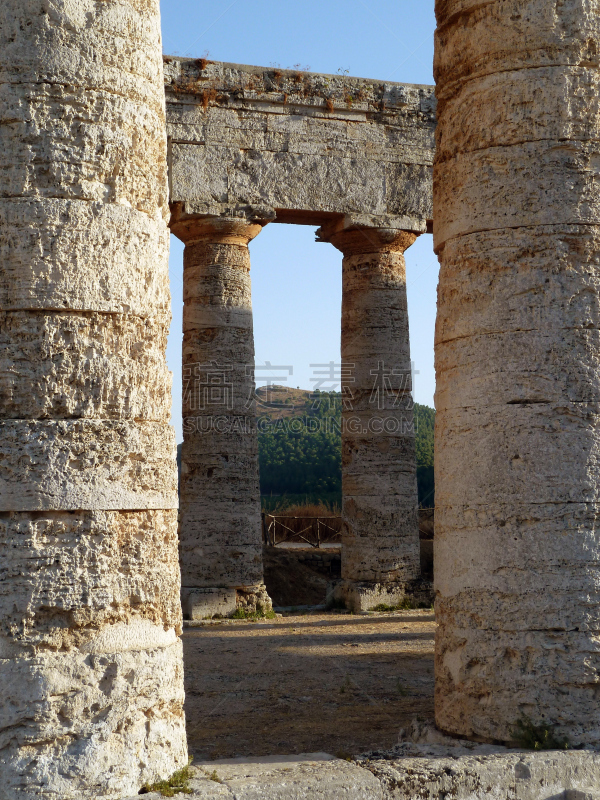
(517, 231)
(91, 685)
(220, 528)
(380, 539)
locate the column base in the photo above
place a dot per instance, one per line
(360, 596)
(211, 602)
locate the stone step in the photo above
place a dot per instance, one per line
(411, 772)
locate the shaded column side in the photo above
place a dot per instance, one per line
(91, 679)
(517, 355)
(380, 540)
(220, 526)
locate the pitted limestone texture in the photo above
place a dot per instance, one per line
(46, 265)
(91, 670)
(298, 146)
(517, 231)
(128, 560)
(88, 365)
(52, 465)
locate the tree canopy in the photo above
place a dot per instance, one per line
(300, 447)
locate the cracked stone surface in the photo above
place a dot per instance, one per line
(517, 342)
(91, 671)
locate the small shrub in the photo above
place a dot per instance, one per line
(344, 755)
(178, 783)
(537, 737)
(242, 613)
(404, 605)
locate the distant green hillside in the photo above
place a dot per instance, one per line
(425, 417)
(300, 446)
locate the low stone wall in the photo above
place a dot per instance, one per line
(327, 562)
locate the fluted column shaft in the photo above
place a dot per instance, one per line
(517, 231)
(220, 528)
(380, 537)
(91, 684)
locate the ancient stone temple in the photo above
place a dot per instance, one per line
(91, 683)
(517, 342)
(91, 689)
(247, 147)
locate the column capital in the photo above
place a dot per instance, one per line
(228, 230)
(361, 240)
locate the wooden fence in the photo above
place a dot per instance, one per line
(313, 531)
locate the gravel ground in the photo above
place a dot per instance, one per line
(321, 682)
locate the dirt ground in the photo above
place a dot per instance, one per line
(337, 683)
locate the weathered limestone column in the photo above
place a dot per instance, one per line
(380, 538)
(517, 231)
(220, 527)
(91, 685)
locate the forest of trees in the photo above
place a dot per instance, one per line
(300, 451)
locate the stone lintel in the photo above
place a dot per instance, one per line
(299, 144)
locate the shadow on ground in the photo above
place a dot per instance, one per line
(340, 684)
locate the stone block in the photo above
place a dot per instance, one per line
(68, 45)
(206, 603)
(86, 464)
(63, 572)
(478, 114)
(313, 776)
(561, 190)
(49, 153)
(506, 35)
(93, 365)
(45, 246)
(431, 770)
(435, 771)
(366, 596)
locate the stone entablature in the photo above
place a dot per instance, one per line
(295, 146)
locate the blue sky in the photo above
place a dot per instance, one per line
(296, 283)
